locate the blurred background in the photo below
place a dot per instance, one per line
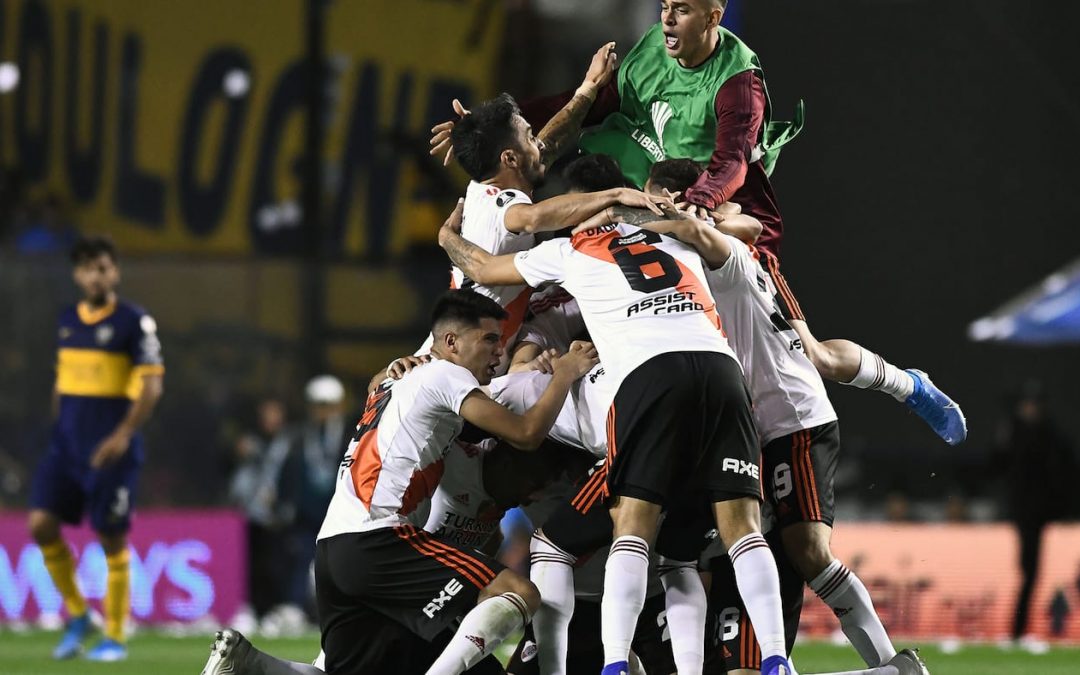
(263, 169)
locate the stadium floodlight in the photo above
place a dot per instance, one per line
(9, 77)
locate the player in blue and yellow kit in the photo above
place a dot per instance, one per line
(108, 378)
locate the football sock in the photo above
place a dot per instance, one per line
(845, 594)
(686, 607)
(878, 374)
(552, 571)
(61, 566)
(480, 633)
(625, 579)
(880, 670)
(117, 601)
(261, 663)
(759, 587)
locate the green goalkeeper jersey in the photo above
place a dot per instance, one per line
(668, 111)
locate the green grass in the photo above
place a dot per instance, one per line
(157, 654)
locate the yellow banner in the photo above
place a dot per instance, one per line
(179, 126)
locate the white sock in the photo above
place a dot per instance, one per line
(261, 663)
(880, 670)
(877, 373)
(759, 587)
(480, 633)
(845, 594)
(552, 570)
(625, 578)
(686, 607)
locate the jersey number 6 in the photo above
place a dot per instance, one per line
(649, 270)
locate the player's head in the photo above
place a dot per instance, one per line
(495, 137)
(516, 477)
(467, 328)
(673, 175)
(690, 27)
(94, 268)
(593, 173)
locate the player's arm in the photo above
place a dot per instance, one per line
(740, 112)
(529, 356)
(527, 431)
(116, 444)
(568, 210)
(710, 243)
(743, 227)
(561, 131)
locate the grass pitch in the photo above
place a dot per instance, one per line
(157, 654)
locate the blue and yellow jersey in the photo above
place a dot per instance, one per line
(102, 355)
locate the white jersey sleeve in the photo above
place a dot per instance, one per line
(554, 320)
(544, 263)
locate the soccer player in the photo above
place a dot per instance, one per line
(680, 417)
(371, 564)
(108, 379)
(690, 88)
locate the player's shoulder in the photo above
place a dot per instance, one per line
(441, 372)
(135, 314)
(493, 197)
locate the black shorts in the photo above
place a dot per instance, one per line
(582, 525)
(421, 582)
(681, 423)
(800, 469)
(585, 649)
(785, 299)
(730, 641)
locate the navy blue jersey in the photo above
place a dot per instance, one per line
(101, 357)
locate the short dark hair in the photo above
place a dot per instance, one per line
(676, 175)
(465, 307)
(89, 247)
(480, 137)
(593, 173)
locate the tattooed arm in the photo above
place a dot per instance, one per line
(476, 263)
(561, 130)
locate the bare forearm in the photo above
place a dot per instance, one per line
(468, 257)
(711, 244)
(558, 212)
(142, 407)
(633, 216)
(562, 129)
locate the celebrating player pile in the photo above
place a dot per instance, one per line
(701, 398)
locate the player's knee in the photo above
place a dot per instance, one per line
(44, 529)
(509, 581)
(812, 561)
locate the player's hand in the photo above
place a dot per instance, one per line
(602, 67)
(597, 220)
(398, 367)
(453, 221)
(699, 212)
(440, 135)
(544, 361)
(110, 449)
(727, 209)
(578, 360)
(640, 200)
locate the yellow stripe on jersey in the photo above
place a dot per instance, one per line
(135, 384)
(92, 372)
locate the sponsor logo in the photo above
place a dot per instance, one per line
(841, 611)
(65, 333)
(740, 467)
(477, 640)
(148, 324)
(661, 112)
(670, 303)
(103, 334)
(452, 588)
(595, 375)
(462, 498)
(528, 652)
(649, 145)
(796, 346)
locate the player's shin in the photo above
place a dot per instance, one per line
(686, 605)
(845, 594)
(480, 633)
(61, 567)
(552, 571)
(625, 579)
(117, 602)
(759, 587)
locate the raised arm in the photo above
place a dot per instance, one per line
(568, 210)
(561, 131)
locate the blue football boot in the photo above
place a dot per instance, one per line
(936, 408)
(71, 643)
(776, 665)
(107, 650)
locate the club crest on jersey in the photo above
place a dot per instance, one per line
(740, 467)
(505, 198)
(103, 334)
(452, 588)
(65, 333)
